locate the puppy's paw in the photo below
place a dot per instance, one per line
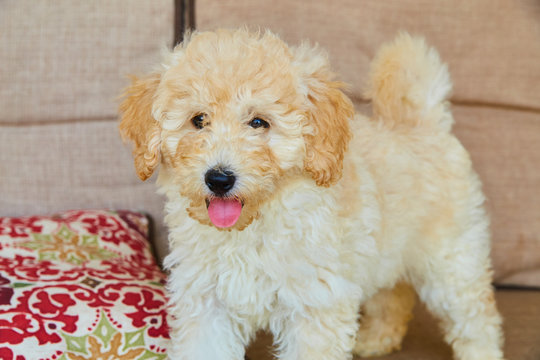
(474, 350)
(378, 340)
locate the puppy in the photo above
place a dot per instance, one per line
(289, 213)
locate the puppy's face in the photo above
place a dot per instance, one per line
(234, 115)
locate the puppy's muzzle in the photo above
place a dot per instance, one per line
(219, 181)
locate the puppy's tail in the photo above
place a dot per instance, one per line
(409, 85)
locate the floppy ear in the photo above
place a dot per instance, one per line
(328, 115)
(138, 125)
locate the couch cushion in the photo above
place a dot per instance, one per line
(491, 46)
(69, 59)
(64, 64)
(492, 49)
(424, 341)
(504, 144)
(78, 285)
(74, 165)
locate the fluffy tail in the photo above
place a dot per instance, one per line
(409, 85)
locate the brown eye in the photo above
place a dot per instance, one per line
(258, 122)
(198, 121)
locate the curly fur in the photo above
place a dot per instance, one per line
(340, 211)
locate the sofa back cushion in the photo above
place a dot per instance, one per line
(493, 52)
(63, 66)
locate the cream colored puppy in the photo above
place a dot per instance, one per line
(289, 213)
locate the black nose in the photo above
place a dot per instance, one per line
(219, 181)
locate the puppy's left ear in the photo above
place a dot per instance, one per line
(328, 116)
(138, 125)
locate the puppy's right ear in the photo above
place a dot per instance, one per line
(138, 125)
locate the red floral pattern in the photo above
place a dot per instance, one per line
(80, 285)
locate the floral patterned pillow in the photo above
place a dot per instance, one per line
(80, 285)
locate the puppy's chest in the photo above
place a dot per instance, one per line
(244, 283)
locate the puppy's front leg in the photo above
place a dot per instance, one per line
(201, 329)
(319, 334)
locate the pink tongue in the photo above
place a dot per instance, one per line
(224, 213)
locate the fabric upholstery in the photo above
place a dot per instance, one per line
(67, 60)
(492, 49)
(491, 46)
(519, 308)
(75, 165)
(63, 66)
(64, 63)
(80, 285)
(503, 144)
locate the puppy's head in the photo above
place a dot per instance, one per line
(233, 115)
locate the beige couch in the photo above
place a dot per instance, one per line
(63, 63)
